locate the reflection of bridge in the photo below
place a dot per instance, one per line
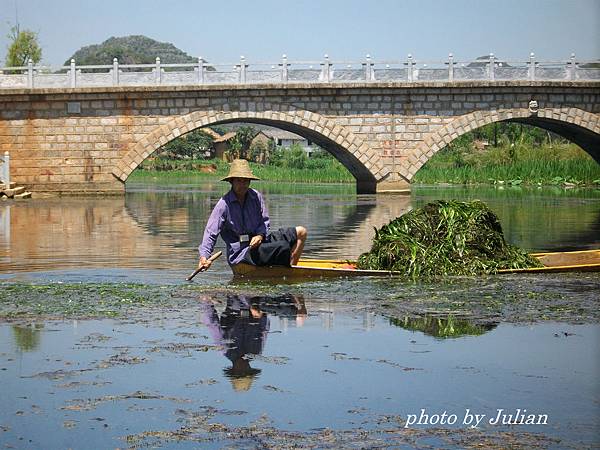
(75, 139)
(337, 229)
(78, 233)
(353, 234)
(161, 230)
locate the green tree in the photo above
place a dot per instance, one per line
(239, 146)
(295, 157)
(23, 47)
(192, 145)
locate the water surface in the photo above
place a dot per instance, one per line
(342, 362)
(324, 366)
(153, 232)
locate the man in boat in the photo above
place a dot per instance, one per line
(240, 217)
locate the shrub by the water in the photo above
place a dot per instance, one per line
(444, 238)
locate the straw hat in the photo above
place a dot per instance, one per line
(242, 384)
(240, 168)
(241, 374)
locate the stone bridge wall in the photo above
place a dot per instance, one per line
(91, 139)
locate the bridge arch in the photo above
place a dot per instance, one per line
(579, 126)
(363, 163)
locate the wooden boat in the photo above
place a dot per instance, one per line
(579, 261)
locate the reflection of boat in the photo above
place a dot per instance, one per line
(580, 261)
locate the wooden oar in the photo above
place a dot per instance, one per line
(202, 269)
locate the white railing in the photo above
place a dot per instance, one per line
(284, 71)
(5, 170)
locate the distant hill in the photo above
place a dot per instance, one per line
(130, 50)
(484, 60)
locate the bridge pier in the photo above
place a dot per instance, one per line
(393, 187)
(383, 187)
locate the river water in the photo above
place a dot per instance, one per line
(345, 363)
(152, 233)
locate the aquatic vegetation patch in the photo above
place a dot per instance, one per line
(508, 298)
(443, 327)
(91, 300)
(444, 238)
(376, 431)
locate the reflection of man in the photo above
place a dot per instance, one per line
(242, 330)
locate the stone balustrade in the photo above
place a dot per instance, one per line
(284, 71)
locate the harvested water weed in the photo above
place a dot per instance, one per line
(445, 238)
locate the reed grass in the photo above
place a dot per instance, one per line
(171, 170)
(559, 164)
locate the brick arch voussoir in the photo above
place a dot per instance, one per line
(469, 122)
(181, 125)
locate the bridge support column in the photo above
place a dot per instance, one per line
(395, 187)
(373, 187)
(366, 187)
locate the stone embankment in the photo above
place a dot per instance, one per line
(13, 191)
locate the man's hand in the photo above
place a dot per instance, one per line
(204, 263)
(256, 241)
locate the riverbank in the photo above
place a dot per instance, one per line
(546, 165)
(322, 170)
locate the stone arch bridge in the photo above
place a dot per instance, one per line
(89, 140)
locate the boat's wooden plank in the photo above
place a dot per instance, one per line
(551, 269)
(585, 260)
(303, 272)
(569, 258)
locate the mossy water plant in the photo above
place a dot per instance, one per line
(443, 327)
(445, 238)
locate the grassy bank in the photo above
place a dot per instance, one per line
(320, 171)
(547, 164)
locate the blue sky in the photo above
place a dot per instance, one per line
(263, 30)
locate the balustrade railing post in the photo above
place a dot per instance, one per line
(243, 65)
(326, 71)
(369, 72)
(30, 73)
(200, 69)
(450, 67)
(491, 67)
(572, 67)
(6, 170)
(157, 72)
(115, 72)
(531, 73)
(284, 69)
(410, 68)
(73, 74)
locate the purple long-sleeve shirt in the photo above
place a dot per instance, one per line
(230, 219)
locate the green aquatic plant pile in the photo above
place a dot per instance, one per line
(444, 238)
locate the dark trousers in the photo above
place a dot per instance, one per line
(275, 250)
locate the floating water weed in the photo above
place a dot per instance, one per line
(444, 238)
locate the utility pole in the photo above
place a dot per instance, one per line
(495, 134)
